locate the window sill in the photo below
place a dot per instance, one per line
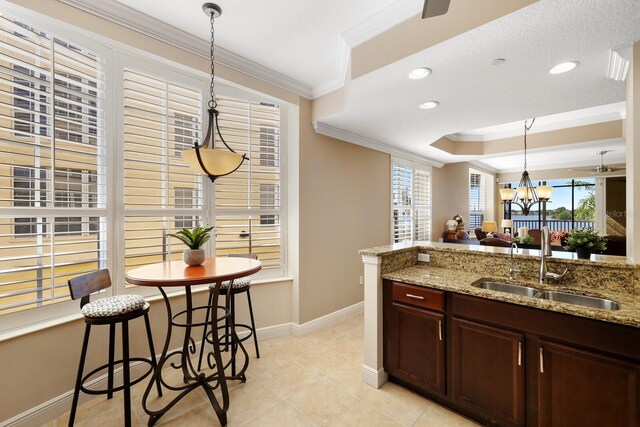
(57, 321)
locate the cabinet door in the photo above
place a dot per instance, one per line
(577, 388)
(417, 347)
(488, 371)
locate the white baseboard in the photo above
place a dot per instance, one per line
(327, 320)
(59, 405)
(374, 377)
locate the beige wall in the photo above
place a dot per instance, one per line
(344, 207)
(450, 195)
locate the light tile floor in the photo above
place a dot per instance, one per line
(313, 380)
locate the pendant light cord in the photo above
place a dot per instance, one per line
(212, 101)
(526, 129)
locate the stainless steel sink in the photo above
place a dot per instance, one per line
(601, 303)
(506, 287)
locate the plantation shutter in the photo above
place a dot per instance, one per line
(161, 193)
(247, 202)
(52, 165)
(411, 202)
(477, 196)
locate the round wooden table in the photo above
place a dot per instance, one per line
(177, 273)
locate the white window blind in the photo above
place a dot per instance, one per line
(161, 193)
(411, 202)
(247, 203)
(52, 165)
(477, 198)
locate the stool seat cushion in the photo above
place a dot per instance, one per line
(113, 306)
(242, 282)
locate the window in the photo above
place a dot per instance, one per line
(411, 202)
(247, 203)
(56, 166)
(52, 166)
(161, 193)
(572, 205)
(184, 200)
(477, 198)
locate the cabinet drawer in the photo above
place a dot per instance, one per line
(418, 296)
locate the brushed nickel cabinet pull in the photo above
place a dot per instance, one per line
(415, 296)
(541, 360)
(440, 329)
(519, 353)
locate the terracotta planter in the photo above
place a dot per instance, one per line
(193, 257)
(583, 252)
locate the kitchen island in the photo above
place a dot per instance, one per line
(499, 357)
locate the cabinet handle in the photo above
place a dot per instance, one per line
(440, 329)
(519, 353)
(541, 360)
(415, 296)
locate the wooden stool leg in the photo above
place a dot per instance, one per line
(253, 323)
(112, 344)
(126, 380)
(76, 392)
(152, 350)
(204, 333)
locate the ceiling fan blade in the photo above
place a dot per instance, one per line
(435, 8)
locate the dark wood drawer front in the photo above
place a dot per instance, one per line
(416, 295)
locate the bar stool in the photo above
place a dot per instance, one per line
(109, 311)
(230, 289)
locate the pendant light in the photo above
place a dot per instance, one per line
(526, 195)
(204, 157)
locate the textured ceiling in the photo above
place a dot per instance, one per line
(473, 94)
(301, 39)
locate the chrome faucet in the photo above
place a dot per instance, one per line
(512, 270)
(545, 251)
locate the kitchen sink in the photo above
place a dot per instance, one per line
(564, 297)
(508, 288)
(594, 302)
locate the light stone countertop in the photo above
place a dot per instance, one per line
(458, 281)
(568, 257)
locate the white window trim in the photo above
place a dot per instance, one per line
(115, 55)
(414, 165)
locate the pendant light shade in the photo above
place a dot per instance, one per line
(507, 194)
(204, 157)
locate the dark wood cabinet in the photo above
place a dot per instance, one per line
(579, 388)
(414, 348)
(509, 365)
(487, 371)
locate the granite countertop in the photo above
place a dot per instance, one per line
(461, 282)
(567, 257)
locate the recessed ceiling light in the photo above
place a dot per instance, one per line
(498, 61)
(429, 105)
(564, 67)
(419, 73)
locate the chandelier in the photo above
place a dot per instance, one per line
(526, 195)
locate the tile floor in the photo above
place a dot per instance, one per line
(313, 380)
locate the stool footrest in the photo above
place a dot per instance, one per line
(84, 389)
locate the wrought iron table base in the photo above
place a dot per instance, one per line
(192, 377)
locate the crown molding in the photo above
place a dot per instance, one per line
(135, 20)
(333, 132)
(381, 21)
(570, 119)
(344, 57)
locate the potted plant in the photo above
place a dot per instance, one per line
(525, 240)
(585, 241)
(194, 254)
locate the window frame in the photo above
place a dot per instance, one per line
(413, 207)
(115, 55)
